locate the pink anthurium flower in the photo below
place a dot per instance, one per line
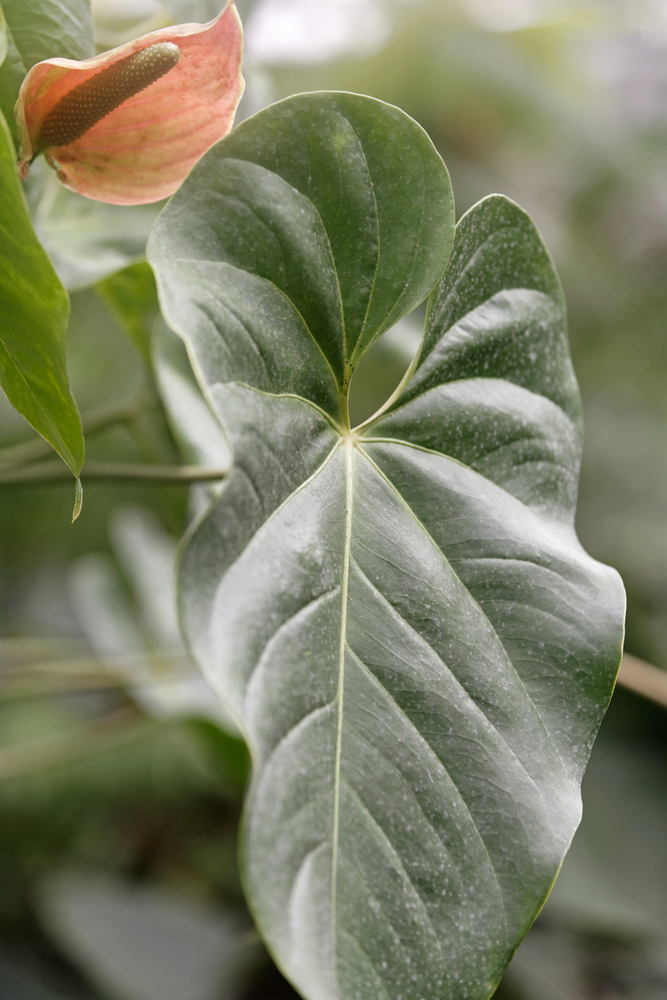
(127, 126)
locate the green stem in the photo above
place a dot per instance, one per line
(43, 473)
(398, 391)
(75, 668)
(90, 737)
(46, 687)
(41, 679)
(643, 679)
(343, 397)
(95, 420)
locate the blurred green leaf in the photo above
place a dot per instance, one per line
(66, 757)
(132, 297)
(34, 311)
(401, 616)
(131, 642)
(614, 876)
(3, 38)
(19, 980)
(144, 943)
(87, 240)
(195, 426)
(37, 30)
(604, 927)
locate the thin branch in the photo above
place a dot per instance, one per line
(43, 473)
(94, 420)
(81, 741)
(643, 679)
(18, 652)
(166, 661)
(53, 677)
(44, 687)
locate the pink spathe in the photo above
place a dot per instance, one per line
(141, 151)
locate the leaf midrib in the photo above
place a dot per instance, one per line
(348, 446)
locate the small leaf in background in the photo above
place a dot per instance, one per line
(3, 38)
(37, 30)
(34, 312)
(21, 981)
(195, 426)
(86, 240)
(401, 616)
(141, 645)
(145, 943)
(127, 126)
(78, 499)
(603, 931)
(132, 297)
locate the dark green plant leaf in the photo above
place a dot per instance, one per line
(41, 29)
(401, 616)
(34, 311)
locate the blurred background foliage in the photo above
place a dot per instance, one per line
(120, 780)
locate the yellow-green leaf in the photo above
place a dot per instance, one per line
(34, 313)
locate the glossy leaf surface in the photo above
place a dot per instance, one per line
(400, 617)
(34, 312)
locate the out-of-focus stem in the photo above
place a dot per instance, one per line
(43, 473)
(94, 420)
(60, 748)
(643, 679)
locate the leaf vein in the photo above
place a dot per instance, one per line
(518, 677)
(397, 858)
(439, 762)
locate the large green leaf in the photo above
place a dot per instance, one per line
(401, 617)
(41, 29)
(34, 312)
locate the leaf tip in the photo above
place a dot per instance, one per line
(78, 499)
